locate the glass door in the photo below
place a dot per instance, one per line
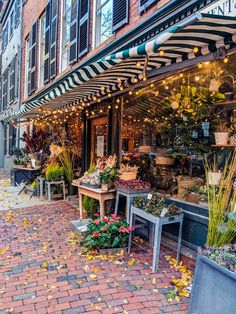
(99, 133)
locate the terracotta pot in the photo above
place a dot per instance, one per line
(214, 178)
(221, 138)
(105, 187)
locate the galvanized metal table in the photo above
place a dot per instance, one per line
(158, 223)
(129, 200)
(48, 188)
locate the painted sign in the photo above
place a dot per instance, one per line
(222, 7)
(100, 146)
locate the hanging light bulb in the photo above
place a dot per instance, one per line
(226, 59)
(199, 65)
(130, 92)
(161, 53)
(195, 49)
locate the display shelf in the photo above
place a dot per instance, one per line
(224, 146)
(229, 103)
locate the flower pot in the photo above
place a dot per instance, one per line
(105, 187)
(213, 289)
(221, 138)
(214, 178)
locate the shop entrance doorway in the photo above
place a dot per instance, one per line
(99, 134)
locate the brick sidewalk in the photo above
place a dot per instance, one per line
(42, 271)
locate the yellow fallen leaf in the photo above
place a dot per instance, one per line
(45, 264)
(154, 281)
(131, 262)
(93, 276)
(4, 249)
(177, 298)
(79, 282)
(184, 293)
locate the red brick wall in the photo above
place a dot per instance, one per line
(33, 9)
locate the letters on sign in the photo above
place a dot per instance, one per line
(222, 7)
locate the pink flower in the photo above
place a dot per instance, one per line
(111, 221)
(113, 215)
(97, 221)
(105, 219)
(95, 215)
(131, 228)
(123, 229)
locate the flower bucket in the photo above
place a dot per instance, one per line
(221, 138)
(214, 178)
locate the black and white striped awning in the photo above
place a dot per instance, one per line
(195, 36)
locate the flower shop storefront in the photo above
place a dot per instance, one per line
(156, 106)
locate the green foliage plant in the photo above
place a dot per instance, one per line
(54, 172)
(222, 214)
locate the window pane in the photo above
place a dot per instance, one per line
(103, 21)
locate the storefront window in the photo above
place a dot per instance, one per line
(103, 21)
(169, 126)
(65, 44)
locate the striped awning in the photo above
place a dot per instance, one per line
(195, 36)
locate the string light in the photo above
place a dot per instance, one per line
(161, 53)
(226, 59)
(195, 50)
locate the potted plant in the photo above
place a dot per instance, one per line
(213, 289)
(108, 236)
(67, 160)
(54, 173)
(213, 172)
(107, 178)
(221, 134)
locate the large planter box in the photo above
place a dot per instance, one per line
(214, 289)
(113, 251)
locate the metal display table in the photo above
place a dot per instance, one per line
(98, 194)
(48, 188)
(129, 199)
(22, 174)
(158, 223)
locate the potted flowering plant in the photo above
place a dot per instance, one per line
(108, 236)
(108, 173)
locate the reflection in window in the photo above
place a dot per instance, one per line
(103, 22)
(42, 50)
(65, 34)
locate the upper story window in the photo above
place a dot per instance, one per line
(11, 24)
(65, 39)
(42, 25)
(5, 36)
(103, 21)
(27, 68)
